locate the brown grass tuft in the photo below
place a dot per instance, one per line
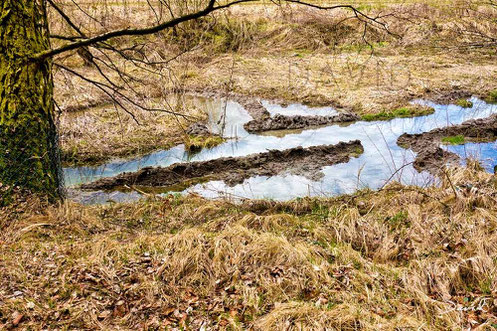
(403, 257)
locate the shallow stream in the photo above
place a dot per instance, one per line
(383, 159)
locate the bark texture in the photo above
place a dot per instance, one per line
(29, 155)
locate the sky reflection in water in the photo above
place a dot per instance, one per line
(381, 159)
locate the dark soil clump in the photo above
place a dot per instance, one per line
(198, 129)
(282, 122)
(253, 107)
(234, 170)
(431, 156)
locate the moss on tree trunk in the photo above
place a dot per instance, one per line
(29, 155)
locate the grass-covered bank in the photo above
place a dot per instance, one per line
(400, 258)
(99, 134)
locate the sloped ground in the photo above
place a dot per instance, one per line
(403, 257)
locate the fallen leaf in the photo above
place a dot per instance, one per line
(17, 318)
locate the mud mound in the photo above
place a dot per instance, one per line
(198, 129)
(282, 122)
(431, 156)
(299, 161)
(253, 107)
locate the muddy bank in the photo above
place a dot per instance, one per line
(263, 121)
(281, 122)
(198, 129)
(234, 170)
(446, 97)
(452, 96)
(253, 107)
(432, 157)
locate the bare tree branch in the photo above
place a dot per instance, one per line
(112, 92)
(66, 18)
(206, 11)
(134, 32)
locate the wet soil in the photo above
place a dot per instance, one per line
(263, 121)
(281, 122)
(253, 107)
(198, 129)
(432, 157)
(445, 97)
(234, 170)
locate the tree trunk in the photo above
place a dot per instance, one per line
(29, 151)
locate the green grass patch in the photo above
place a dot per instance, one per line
(197, 143)
(399, 113)
(454, 140)
(492, 97)
(400, 219)
(464, 103)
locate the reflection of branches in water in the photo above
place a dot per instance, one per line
(313, 191)
(375, 169)
(281, 187)
(378, 149)
(229, 88)
(474, 153)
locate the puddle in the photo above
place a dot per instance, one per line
(306, 162)
(229, 126)
(226, 118)
(485, 153)
(296, 109)
(382, 159)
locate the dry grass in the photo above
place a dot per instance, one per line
(197, 143)
(291, 54)
(400, 258)
(107, 132)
